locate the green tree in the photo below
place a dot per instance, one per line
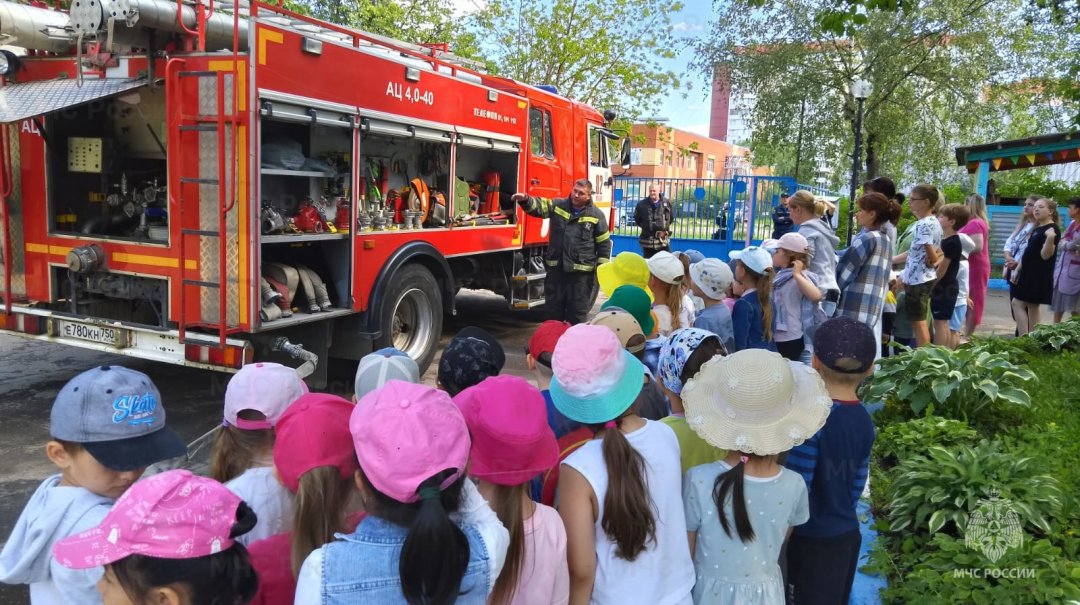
(415, 21)
(931, 66)
(605, 53)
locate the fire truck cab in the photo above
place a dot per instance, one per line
(208, 188)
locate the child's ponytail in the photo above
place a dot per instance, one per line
(506, 501)
(732, 482)
(675, 303)
(319, 508)
(764, 294)
(235, 451)
(436, 552)
(628, 514)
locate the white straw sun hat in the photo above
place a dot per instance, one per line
(756, 402)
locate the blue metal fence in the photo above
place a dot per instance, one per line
(714, 216)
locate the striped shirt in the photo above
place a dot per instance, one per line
(863, 277)
(835, 463)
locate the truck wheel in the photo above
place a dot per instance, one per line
(413, 315)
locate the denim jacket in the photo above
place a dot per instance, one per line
(362, 567)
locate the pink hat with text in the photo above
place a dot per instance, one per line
(267, 388)
(405, 434)
(173, 515)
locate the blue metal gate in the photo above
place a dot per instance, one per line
(714, 216)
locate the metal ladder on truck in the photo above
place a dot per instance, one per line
(527, 282)
(183, 126)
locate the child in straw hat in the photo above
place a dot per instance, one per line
(739, 510)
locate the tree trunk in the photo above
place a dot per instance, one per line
(873, 158)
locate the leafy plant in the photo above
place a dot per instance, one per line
(902, 440)
(945, 570)
(960, 383)
(945, 486)
(1064, 336)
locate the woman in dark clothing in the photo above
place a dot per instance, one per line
(1035, 284)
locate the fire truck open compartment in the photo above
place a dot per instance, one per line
(306, 155)
(396, 158)
(105, 168)
(477, 159)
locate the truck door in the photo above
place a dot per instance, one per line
(543, 178)
(600, 167)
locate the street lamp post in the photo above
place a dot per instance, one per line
(860, 89)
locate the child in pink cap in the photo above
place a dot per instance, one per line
(428, 536)
(242, 459)
(512, 444)
(169, 539)
(620, 494)
(314, 459)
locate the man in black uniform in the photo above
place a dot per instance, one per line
(654, 215)
(579, 241)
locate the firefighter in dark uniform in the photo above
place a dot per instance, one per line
(579, 241)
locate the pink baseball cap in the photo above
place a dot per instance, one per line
(511, 439)
(314, 432)
(795, 242)
(173, 515)
(267, 388)
(405, 434)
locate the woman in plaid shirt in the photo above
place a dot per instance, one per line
(863, 272)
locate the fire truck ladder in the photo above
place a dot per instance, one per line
(202, 125)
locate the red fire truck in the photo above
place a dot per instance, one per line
(212, 185)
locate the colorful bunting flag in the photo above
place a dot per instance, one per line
(996, 162)
(1015, 160)
(1031, 158)
(1050, 155)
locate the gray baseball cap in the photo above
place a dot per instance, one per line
(116, 414)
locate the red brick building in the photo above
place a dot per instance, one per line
(663, 152)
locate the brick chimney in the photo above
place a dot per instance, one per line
(721, 104)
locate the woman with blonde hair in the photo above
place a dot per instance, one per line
(978, 229)
(1035, 284)
(805, 210)
(920, 261)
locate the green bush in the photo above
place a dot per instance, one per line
(960, 383)
(938, 572)
(939, 490)
(1064, 336)
(901, 441)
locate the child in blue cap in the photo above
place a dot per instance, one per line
(107, 426)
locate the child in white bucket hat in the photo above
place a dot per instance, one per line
(756, 405)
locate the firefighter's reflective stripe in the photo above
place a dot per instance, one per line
(552, 263)
(590, 219)
(603, 237)
(603, 260)
(578, 267)
(561, 212)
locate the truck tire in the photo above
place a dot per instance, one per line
(412, 315)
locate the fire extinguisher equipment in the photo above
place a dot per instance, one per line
(307, 218)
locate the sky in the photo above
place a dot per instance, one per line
(692, 112)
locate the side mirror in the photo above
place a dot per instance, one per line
(624, 154)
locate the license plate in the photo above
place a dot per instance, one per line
(99, 334)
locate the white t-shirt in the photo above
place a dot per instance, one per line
(962, 284)
(926, 231)
(666, 563)
(272, 503)
(664, 320)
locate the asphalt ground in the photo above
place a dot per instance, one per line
(31, 374)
